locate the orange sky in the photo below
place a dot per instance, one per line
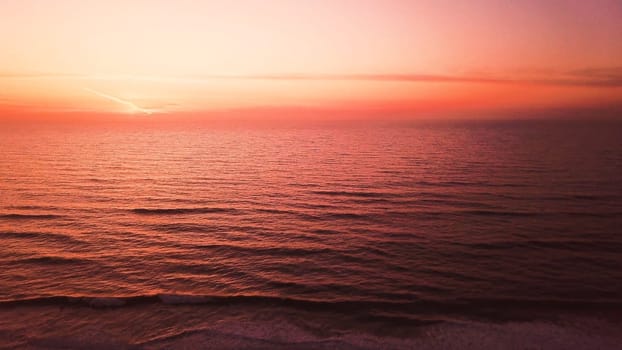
(358, 57)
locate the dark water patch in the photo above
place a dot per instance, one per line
(226, 274)
(449, 213)
(440, 214)
(348, 216)
(325, 232)
(295, 214)
(364, 194)
(588, 197)
(377, 250)
(317, 206)
(186, 227)
(593, 214)
(254, 250)
(453, 203)
(184, 211)
(231, 232)
(319, 216)
(29, 216)
(469, 184)
(32, 207)
(277, 211)
(569, 245)
(102, 180)
(497, 213)
(41, 236)
(384, 201)
(499, 309)
(53, 260)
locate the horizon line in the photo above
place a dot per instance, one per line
(593, 77)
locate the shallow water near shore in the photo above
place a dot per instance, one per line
(431, 235)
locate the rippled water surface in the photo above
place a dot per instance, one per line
(386, 223)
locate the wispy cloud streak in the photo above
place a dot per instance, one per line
(133, 107)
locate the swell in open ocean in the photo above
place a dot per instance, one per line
(428, 236)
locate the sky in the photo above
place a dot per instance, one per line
(308, 59)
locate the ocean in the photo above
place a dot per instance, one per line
(441, 235)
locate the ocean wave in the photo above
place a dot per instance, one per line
(317, 216)
(468, 306)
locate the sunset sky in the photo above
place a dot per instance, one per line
(335, 57)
